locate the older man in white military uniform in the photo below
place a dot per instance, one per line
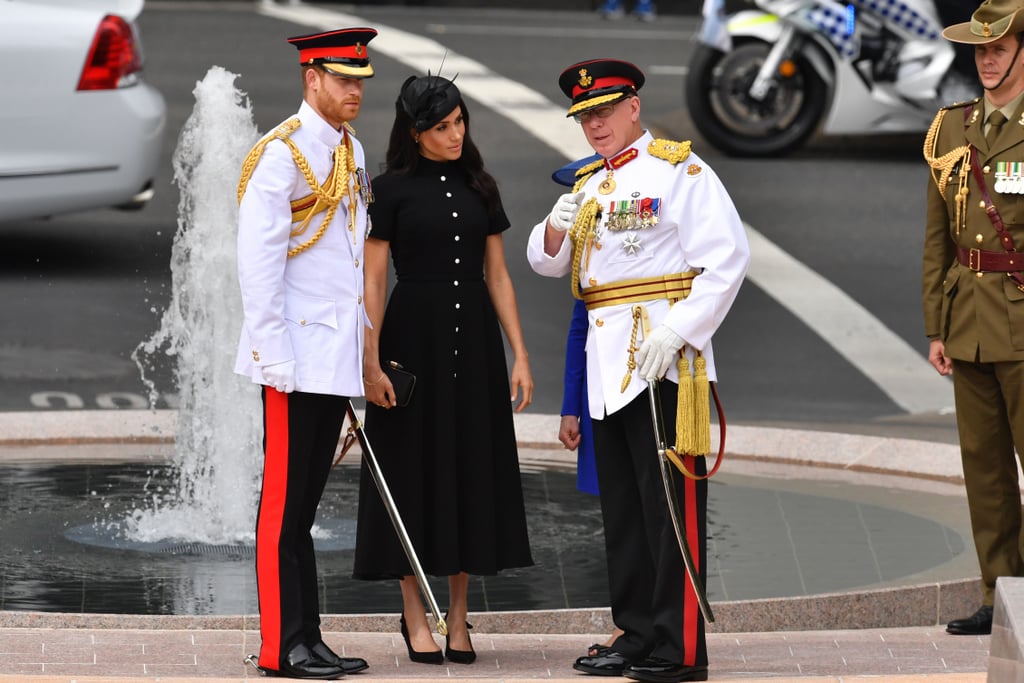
(658, 253)
(301, 228)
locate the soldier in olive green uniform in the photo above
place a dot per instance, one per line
(973, 288)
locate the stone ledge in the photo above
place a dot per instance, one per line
(834, 450)
(925, 605)
(920, 605)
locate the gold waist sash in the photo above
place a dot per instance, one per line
(672, 287)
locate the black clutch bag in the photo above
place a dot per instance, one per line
(402, 381)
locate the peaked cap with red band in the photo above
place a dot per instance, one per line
(597, 82)
(342, 51)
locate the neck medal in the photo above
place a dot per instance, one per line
(607, 185)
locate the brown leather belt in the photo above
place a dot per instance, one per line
(997, 261)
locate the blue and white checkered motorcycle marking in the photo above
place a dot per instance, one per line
(831, 19)
(904, 16)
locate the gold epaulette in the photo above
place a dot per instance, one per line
(584, 172)
(282, 132)
(669, 150)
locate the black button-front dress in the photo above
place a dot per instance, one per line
(449, 457)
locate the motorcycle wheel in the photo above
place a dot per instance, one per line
(717, 95)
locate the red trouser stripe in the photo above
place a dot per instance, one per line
(691, 612)
(268, 532)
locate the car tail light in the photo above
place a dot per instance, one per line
(114, 55)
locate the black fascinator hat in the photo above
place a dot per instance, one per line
(427, 100)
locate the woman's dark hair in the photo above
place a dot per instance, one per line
(403, 153)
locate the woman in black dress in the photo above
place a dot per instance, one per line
(449, 456)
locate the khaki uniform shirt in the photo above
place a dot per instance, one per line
(978, 315)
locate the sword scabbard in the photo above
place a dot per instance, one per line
(664, 466)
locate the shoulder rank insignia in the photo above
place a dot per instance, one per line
(285, 129)
(958, 105)
(693, 169)
(669, 150)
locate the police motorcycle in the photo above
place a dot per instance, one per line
(762, 80)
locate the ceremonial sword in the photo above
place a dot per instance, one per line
(396, 519)
(673, 505)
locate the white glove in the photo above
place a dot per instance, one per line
(280, 376)
(657, 353)
(563, 214)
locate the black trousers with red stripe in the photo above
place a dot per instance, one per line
(652, 599)
(300, 435)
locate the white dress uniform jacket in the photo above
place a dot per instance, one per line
(308, 308)
(699, 229)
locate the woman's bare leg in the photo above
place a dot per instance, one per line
(416, 617)
(458, 635)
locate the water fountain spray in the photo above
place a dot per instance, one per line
(217, 458)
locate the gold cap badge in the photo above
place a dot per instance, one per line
(585, 79)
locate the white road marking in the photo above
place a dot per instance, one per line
(884, 357)
(892, 364)
(668, 70)
(554, 32)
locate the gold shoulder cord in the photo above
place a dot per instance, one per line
(945, 164)
(328, 196)
(582, 234)
(282, 132)
(584, 228)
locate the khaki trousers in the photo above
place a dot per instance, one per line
(990, 419)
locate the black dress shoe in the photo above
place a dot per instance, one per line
(302, 663)
(607, 662)
(978, 624)
(658, 670)
(349, 665)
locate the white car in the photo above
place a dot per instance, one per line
(79, 129)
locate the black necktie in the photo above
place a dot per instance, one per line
(995, 124)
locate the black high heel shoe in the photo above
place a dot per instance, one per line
(428, 657)
(459, 656)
